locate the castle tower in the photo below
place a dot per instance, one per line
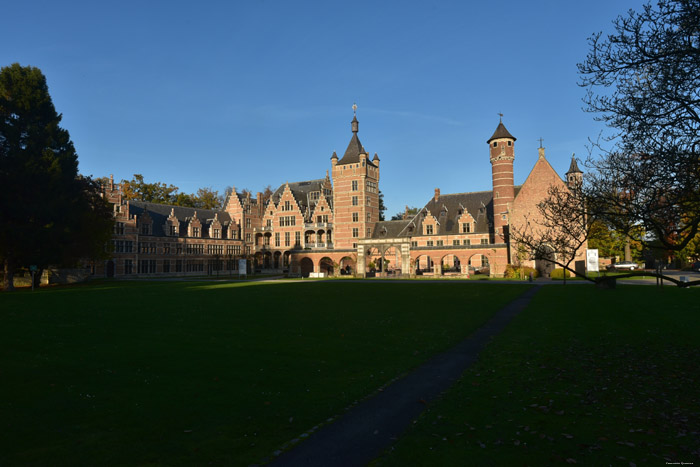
(502, 154)
(355, 192)
(574, 177)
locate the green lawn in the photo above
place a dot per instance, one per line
(194, 373)
(585, 376)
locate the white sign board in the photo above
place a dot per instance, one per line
(242, 267)
(592, 260)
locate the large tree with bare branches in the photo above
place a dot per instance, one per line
(643, 81)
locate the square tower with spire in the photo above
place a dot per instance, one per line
(355, 192)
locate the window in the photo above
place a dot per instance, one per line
(484, 241)
(455, 242)
(504, 217)
(215, 249)
(195, 231)
(466, 227)
(178, 265)
(355, 232)
(119, 228)
(173, 230)
(369, 201)
(467, 242)
(354, 185)
(145, 229)
(354, 200)
(495, 144)
(119, 246)
(247, 223)
(428, 229)
(297, 238)
(217, 233)
(128, 246)
(287, 206)
(369, 217)
(439, 243)
(510, 143)
(484, 260)
(414, 244)
(277, 239)
(151, 266)
(430, 243)
(268, 223)
(248, 238)
(287, 240)
(369, 232)
(166, 265)
(166, 248)
(266, 240)
(355, 217)
(128, 266)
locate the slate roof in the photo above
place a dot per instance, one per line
(302, 192)
(574, 167)
(355, 148)
(479, 204)
(390, 229)
(159, 213)
(501, 132)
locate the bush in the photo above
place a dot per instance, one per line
(559, 273)
(515, 272)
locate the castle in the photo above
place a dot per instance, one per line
(331, 225)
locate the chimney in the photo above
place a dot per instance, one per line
(260, 197)
(437, 194)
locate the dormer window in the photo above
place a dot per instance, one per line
(195, 231)
(173, 230)
(216, 233)
(428, 229)
(466, 227)
(145, 229)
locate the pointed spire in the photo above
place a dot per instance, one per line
(573, 168)
(334, 156)
(501, 132)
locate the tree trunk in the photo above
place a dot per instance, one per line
(8, 280)
(37, 277)
(628, 252)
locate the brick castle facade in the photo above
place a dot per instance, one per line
(331, 225)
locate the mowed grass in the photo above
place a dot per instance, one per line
(175, 373)
(583, 376)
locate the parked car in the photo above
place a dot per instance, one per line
(631, 265)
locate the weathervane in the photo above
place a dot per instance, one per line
(354, 109)
(500, 117)
(541, 140)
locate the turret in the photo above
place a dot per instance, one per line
(502, 154)
(574, 177)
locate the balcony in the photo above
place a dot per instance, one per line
(319, 246)
(265, 228)
(318, 225)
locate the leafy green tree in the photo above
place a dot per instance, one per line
(382, 207)
(50, 214)
(409, 212)
(208, 199)
(157, 192)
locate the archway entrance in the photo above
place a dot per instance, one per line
(544, 262)
(307, 267)
(326, 265)
(451, 265)
(424, 265)
(347, 266)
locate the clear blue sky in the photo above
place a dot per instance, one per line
(251, 93)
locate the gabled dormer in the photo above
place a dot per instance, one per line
(172, 225)
(431, 226)
(322, 211)
(466, 223)
(194, 227)
(232, 230)
(145, 223)
(215, 230)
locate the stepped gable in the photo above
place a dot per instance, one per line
(159, 213)
(301, 192)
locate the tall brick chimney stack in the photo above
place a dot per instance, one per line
(437, 194)
(502, 154)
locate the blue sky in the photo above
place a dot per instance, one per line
(251, 93)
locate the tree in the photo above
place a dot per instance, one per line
(157, 192)
(382, 208)
(558, 231)
(412, 211)
(208, 198)
(643, 81)
(50, 214)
